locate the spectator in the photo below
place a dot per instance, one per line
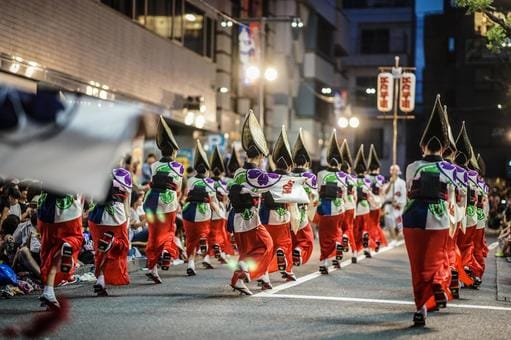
(137, 221)
(9, 225)
(10, 203)
(146, 169)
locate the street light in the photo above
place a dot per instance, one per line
(270, 74)
(343, 122)
(252, 73)
(354, 122)
(223, 89)
(190, 117)
(326, 90)
(226, 23)
(200, 121)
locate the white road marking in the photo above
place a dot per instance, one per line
(493, 245)
(317, 274)
(381, 301)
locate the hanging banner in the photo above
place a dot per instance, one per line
(249, 44)
(385, 91)
(407, 92)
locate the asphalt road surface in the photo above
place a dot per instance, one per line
(371, 299)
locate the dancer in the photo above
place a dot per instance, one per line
(465, 157)
(255, 245)
(108, 224)
(59, 218)
(376, 235)
(361, 226)
(200, 202)
(303, 238)
(161, 203)
(276, 212)
(350, 202)
(218, 239)
(479, 239)
(426, 220)
(332, 184)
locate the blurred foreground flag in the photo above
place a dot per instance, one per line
(67, 141)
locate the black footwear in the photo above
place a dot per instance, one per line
(66, 259)
(440, 298)
(266, 286)
(242, 290)
(365, 240)
(165, 260)
(336, 264)
(218, 252)
(367, 253)
(323, 270)
(105, 242)
(190, 272)
(100, 290)
(419, 320)
(290, 277)
(338, 252)
(155, 278)
(207, 265)
(281, 260)
(203, 246)
(297, 257)
(378, 244)
(354, 259)
(454, 287)
(50, 303)
(477, 282)
(345, 244)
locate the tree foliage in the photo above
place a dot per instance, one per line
(499, 34)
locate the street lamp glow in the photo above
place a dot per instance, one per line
(270, 74)
(343, 122)
(370, 90)
(190, 117)
(499, 106)
(223, 89)
(252, 73)
(326, 90)
(354, 122)
(200, 121)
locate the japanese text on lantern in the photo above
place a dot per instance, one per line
(385, 91)
(407, 92)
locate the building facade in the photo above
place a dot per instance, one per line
(379, 31)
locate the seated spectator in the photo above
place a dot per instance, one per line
(9, 225)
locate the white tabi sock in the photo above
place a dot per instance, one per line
(206, 259)
(191, 264)
(49, 292)
(101, 280)
(154, 271)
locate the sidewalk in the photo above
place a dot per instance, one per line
(503, 269)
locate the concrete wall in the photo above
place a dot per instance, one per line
(92, 42)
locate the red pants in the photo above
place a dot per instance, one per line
(480, 252)
(194, 232)
(455, 262)
(281, 237)
(359, 228)
(218, 236)
(374, 229)
(53, 235)
(329, 231)
(347, 227)
(428, 263)
(160, 238)
(304, 239)
(114, 262)
(465, 243)
(256, 250)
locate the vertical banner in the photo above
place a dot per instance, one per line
(385, 91)
(407, 92)
(248, 45)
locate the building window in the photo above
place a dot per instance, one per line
(364, 95)
(194, 28)
(375, 3)
(374, 41)
(319, 36)
(122, 6)
(172, 19)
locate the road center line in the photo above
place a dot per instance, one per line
(381, 301)
(317, 274)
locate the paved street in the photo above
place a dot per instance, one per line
(367, 300)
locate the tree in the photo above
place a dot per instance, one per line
(500, 33)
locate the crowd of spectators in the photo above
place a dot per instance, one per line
(20, 238)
